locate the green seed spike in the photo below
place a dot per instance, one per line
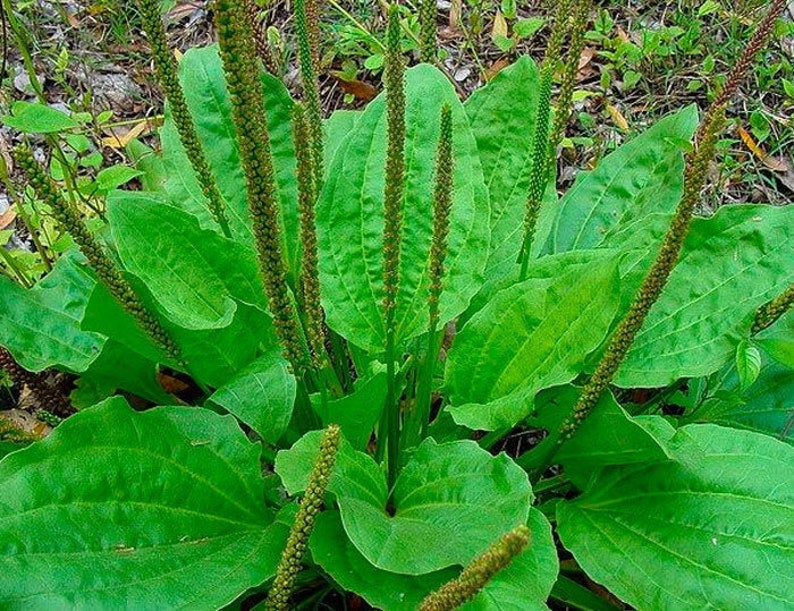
(478, 573)
(580, 12)
(242, 71)
(694, 178)
(770, 312)
(427, 31)
(442, 205)
(310, 275)
(71, 222)
(439, 246)
(540, 137)
(623, 337)
(290, 564)
(166, 68)
(393, 77)
(307, 27)
(260, 39)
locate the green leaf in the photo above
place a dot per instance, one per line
(356, 413)
(36, 118)
(153, 173)
(730, 265)
(533, 335)
(610, 436)
(778, 340)
(168, 503)
(708, 530)
(333, 551)
(202, 77)
(748, 363)
(450, 500)
(336, 128)
(41, 326)
(262, 395)
(767, 406)
(213, 356)
(6, 447)
(115, 176)
(643, 176)
(524, 585)
(350, 218)
(194, 274)
(502, 115)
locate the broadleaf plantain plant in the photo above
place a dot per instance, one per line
(568, 328)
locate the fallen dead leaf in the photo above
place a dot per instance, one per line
(359, 89)
(499, 26)
(617, 117)
(120, 138)
(455, 11)
(170, 384)
(495, 68)
(8, 217)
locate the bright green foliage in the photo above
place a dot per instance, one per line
(739, 259)
(350, 218)
(168, 507)
(709, 527)
(451, 523)
(498, 126)
(41, 326)
(533, 335)
(261, 395)
(643, 176)
(172, 494)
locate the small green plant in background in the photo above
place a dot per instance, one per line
(373, 306)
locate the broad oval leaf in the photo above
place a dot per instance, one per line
(451, 500)
(522, 586)
(41, 326)
(262, 395)
(159, 509)
(731, 263)
(204, 84)
(350, 218)
(194, 274)
(643, 176)
(503, 116)
(36, 118)
(711, 529)
(531, 336)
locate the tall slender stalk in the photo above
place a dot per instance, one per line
(392, 231)
(307, 27)
(310, 505)
(654, 282)
(478, 573)
(166, 68)
(72, 223)
(540, 136)
(770, 312)
(241, 67)
(442, 205)
(427, 31)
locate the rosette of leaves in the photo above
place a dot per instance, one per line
(168, 506)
